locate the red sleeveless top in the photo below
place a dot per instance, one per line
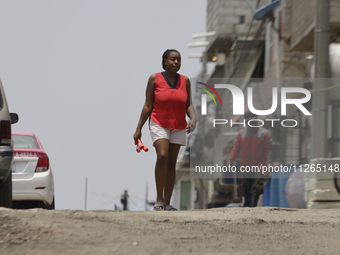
(169, 108)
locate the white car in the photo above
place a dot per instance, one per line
(32, 176)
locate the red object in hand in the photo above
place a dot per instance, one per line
(141, 146)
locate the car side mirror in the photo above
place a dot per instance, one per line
(14, 118)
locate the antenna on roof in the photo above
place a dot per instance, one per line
(267, 12)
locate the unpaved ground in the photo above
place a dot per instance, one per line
(261, 230)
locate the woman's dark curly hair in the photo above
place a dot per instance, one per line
(166, 55)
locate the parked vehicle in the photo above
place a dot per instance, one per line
(6, 150)
(33, 182)
(337, 181)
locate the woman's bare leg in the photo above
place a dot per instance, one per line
(171, 172)
(162, 149)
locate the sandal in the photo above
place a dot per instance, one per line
(170, 208)
(159, 206)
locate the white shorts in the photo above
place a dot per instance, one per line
(174, 136)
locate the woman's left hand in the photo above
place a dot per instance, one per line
(191, 126)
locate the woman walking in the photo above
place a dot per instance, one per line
(167, 103)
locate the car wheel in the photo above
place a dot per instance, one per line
(6, 192)
(52, 206)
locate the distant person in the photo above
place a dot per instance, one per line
(167, 103)
(124, 200)
(254, 146)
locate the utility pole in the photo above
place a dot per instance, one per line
(85, 194)
(146, 196)
(322, 70)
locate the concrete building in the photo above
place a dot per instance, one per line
(260, 54)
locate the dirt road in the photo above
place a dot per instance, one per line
(261, 230)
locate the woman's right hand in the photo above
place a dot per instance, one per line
(137, 135)
(147, 108)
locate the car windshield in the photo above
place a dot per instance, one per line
(25, 142)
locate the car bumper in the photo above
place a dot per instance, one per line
(6, 157)
(40, 187)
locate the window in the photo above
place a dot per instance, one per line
(25, 142)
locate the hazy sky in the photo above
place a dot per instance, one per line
(76, 71)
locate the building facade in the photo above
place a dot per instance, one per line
(275, 52)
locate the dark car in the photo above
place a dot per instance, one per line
(6, 150)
